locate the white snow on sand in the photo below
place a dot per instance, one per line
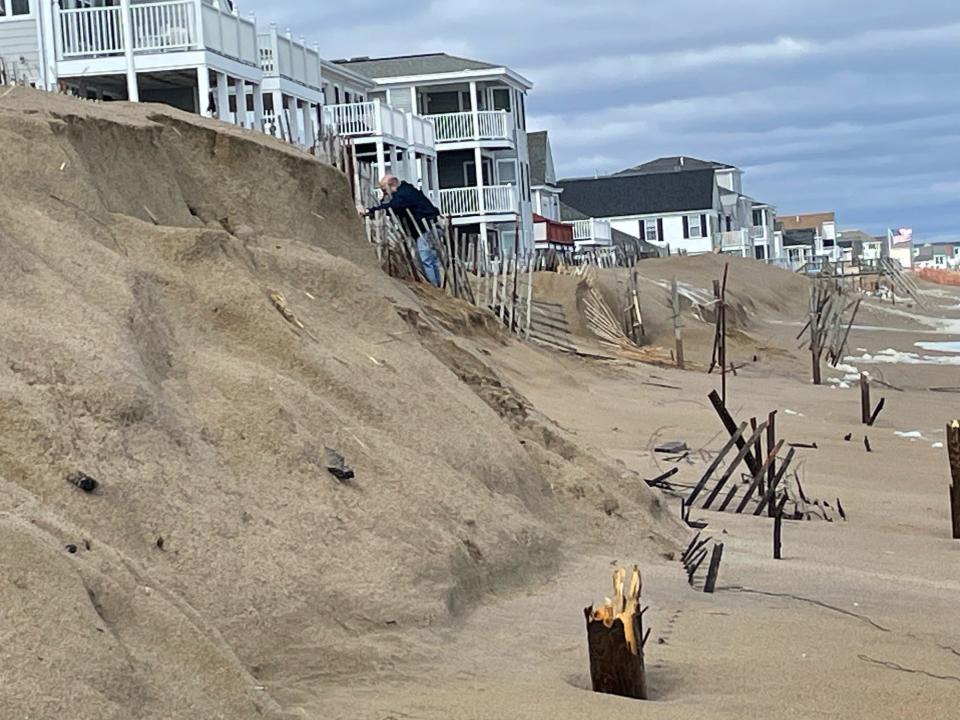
(898, 357)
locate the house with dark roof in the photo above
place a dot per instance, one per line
(544, 189)
(681, 203)
(478, 111)
(676, 209)
(824, 227)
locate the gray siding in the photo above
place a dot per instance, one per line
(19, 48)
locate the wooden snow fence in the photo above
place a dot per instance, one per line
(753, 472)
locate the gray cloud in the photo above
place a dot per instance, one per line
(827, 104)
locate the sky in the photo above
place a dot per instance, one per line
(844, 105)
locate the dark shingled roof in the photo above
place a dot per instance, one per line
(569, 214)
(619, 195)
(537, 145)
(403, 65)
(673, 164)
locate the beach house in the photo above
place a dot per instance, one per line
(478, 111)
(205, 57)
(678, 203)
(815, 233)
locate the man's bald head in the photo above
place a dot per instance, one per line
(389, 183)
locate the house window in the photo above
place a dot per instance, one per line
(507, 172)
(336, 95)
(758, 218)
(650, 230)
(14, 7)
(501, 99)
(694, 222)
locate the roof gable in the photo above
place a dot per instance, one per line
(643, 194)
(407, 65)
(675, 163)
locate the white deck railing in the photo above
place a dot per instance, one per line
(91, 32)
(733, 240)
(283, 56)
(157, 27)
(164, 25)
(420, 131)
(464, 126)
(366, 118)
(591, 230)
(497, 200)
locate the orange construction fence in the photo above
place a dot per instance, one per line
(939, 276)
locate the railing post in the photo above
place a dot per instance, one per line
(474, 114)
(198, 23)
(377, 117)
(57, 32)
(133, 90)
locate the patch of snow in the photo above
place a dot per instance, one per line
(951, 346)
(910, 434)
(788, 411)
(937, 445)
(898, 357)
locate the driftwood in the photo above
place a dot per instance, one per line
(615, 641)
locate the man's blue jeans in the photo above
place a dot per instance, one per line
(428, 258)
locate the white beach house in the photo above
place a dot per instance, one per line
(203, 56)
(681, 203)
(478, 111)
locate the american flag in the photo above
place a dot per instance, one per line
(901, 236)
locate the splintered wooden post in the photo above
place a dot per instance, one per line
(865, 398)
(615, 641)
(710, 583)
(953, 452)
(677, 324)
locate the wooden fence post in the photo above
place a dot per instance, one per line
(865, 409)
(677, 323)
(953, 452)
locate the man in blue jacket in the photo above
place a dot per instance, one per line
(417, 215)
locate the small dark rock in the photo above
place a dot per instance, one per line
(848, 437)
(159, 543)
(337, 466)
(86, 544)
(72, 549)
(82, 481)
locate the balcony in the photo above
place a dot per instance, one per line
(485, 125)
(375, 119)
(155, 27)
(281, 57)
(493, 200)
(734, 241)
(592, 232)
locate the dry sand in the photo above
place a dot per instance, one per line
(496, 482)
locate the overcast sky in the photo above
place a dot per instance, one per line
(846, 105)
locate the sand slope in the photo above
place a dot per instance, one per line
(140, 345)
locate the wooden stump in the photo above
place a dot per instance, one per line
(953, 452)
(615, 642)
